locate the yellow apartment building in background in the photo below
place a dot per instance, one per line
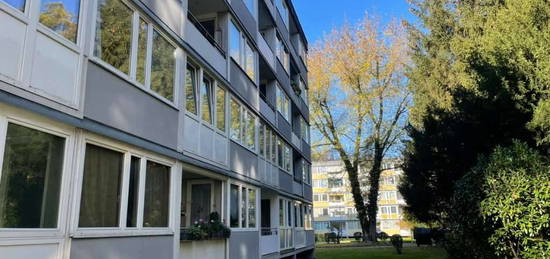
(333, 204)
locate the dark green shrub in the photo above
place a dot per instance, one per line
(382, 236)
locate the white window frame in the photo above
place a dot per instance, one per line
(190, 184)
(30, 18)
(243, 109)
(242, 62)
(18, 117)
(121, 230)
(248, 187)
(285, 110)
(131, 77)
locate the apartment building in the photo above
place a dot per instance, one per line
(148, 128)
(333, 203)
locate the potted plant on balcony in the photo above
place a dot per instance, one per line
(206, 230)
(217, 230)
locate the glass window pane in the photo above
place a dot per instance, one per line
(250, 62)
(190, 96)
(163, 66)
(280, 152)
(281, 213)
(142, 51)
(251, 208)
(243, 207)
(17, 4)
(200, 202)
(261, 139)
(114, 34)
(100, 201)
(206, 100)
(251, 131)
(61, 16)
(273, 147)
(220, 109)
(234, 206)
(157, 195)
(133, 197)
(31, 178)
(235, 43)
(235, 121)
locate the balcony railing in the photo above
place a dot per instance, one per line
(205, 32)
(269, 231)
(299, 238)
(286, 238)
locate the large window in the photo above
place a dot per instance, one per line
(30, 182)
(243, 126)
(283, 104)
(242, 52)
(108, 179)
(113, 38)
(251, 5)
(306, 171)
(163, 67)
(101, 187)
(282, 54)
(283, 10)
(61, 17)
(304, 130)
(284, 155)
(206, 100)
(220, 108)
(148, 59)
(157, 195)
(242, 206)
(190, 90)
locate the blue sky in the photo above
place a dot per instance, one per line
(319, 16)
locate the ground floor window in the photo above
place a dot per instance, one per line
(242, 206)
(31, 175)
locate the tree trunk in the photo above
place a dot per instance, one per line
(353, 172)
(374, 183)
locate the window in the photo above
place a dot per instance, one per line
(17, 4)
(61, 17)
(288, 158)
(220, 109)
(335, 183)
(157, 195)
(306, 172)
(280, 152)
(282, 54)
(250, 64)
(113, 37)
(149, 61)
(206, 100)
(30, 182)
(273, 147)
(251, 208)
(261, 139)
(101, 187)
(163, 67)
(336, 198)
(235, 121)
(242, 52)
(242, 206)
(133, 198)
(190, 86)
(283, 104)
(315, 197)
(250, 136)
(142, 51)
(234, 210)
(304, 128)
(147, 188)
(235, 43)
(243, 126)
(283, 10)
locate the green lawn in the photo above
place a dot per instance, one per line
(380, 253)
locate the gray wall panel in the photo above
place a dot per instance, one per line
(158, 247)
(284, 127)
(310, 237)
(169, 11)
(116, 103)
(242, 85)
(244, 245)
(306, 150)
(286, 181)
(242, 160)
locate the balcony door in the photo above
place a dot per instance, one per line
(200, 195)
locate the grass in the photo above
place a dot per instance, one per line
(380, 253)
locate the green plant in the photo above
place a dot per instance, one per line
(397, 243)
(382, 236)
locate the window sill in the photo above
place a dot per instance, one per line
(133, 82)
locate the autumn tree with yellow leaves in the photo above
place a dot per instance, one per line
(359, 102)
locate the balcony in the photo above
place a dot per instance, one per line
(286, 235)
(299, 238)
(268, 241)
